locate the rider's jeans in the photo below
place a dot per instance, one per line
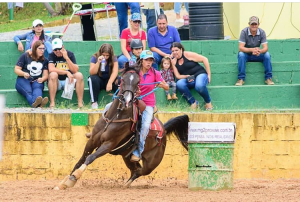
(146, 121)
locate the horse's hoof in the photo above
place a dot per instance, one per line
(62, 185)
(128, 183)
(70, 182)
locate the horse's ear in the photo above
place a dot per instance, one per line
(126, 66)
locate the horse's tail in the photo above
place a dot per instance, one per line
(179, 126)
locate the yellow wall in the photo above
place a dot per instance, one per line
(47, 146)
(288, 25)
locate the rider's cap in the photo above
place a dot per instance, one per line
(37, 22)
(57, 43)
(146, 54)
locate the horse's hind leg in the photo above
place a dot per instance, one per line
(133, 167)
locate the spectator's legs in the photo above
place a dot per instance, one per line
(177, 8)
(157, 60)
(186, 5)
(122, 60)
(79, 88)
(267, 64)
(150, 17)
(52, 86)
(242, 60)
(23, 87)
(200, 87)
(184, 88)
(122, 9)
(95, 84)
(37, 90)
(134, 7)
(173, 86)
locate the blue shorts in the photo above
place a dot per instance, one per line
(61, 84)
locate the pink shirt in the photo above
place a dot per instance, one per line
(149, 77)
(35, 38)
(126, 34)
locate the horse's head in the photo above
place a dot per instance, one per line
(129, 85)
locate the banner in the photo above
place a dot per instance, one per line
(211, 132)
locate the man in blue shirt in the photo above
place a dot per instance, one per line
(160, 39)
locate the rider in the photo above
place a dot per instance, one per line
(147, 75)
(136, 46)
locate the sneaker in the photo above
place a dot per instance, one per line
(269, 81)
(37, 102)
(180, 20)
(134, 158)
(195, 105)
(169, 97)
(95, 105)
(239, 82)
(174, 97)
(44, 101)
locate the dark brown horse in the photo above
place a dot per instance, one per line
(114, 133)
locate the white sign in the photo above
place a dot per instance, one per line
(211, 132)
(2, 103)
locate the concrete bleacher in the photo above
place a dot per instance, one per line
(222, 55)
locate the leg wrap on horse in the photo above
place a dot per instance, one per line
(78, 172)
(62, 185)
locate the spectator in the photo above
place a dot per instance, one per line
(134, 32)
(122, 13)
(177, 8)
(136, 46)
(106, 78)
(62, 64)
(147, 75)
(249, 46)
(191, 74)
(160, 38)
(168, 75)
(36, 34)
(151, 15)
(32, 71)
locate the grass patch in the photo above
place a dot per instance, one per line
(23, 18)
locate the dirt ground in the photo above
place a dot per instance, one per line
(146, 190)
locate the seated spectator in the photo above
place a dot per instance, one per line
(167, 74)
(62, 64)
(122, 13)
(136, 46)
(191, 74)
(32, 71)
(160, 38)
(134, 32)
(106, 78)
(36, 34)
(249, 46)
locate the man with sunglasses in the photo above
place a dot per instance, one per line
(62, 64)
(249, 46)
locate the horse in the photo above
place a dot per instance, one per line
(116, 132)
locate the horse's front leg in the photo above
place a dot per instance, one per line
(102, 150)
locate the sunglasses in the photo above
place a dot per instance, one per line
(56, 49)
(137, 22)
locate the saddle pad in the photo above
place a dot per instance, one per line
(156, 129)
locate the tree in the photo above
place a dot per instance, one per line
(50, 9)
(61, 8)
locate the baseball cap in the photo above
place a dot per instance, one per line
(253, 19)
(136, 17)
(37, 22)
(146, 54)
(57, 43)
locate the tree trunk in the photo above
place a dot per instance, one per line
(50, 9)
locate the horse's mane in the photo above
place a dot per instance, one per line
(134, 67)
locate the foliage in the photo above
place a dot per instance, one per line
(22, 19)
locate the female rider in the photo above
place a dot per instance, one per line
(147, 75)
